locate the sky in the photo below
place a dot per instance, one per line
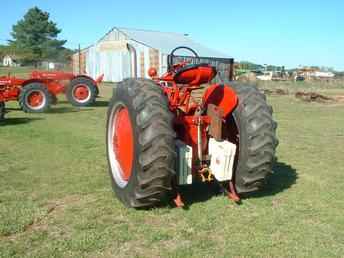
(290, 33)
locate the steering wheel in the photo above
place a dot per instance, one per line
(170, 57)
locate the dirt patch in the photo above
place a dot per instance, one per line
(281, 92)
(275, 92)
(61, 204)
(313, 97)
(53, 208)
(266, 91)
(339, 99)
(306, 96)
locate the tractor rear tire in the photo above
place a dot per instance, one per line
(256, 138)
(81, 92)
(148, 182)
(2, 111)
(34, 98)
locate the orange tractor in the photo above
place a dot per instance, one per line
(159, 138)
(37, 93)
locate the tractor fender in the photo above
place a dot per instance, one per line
(96, 82)
(54, 87)
(28, 81)
(223, 96)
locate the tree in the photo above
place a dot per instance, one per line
(246, 65)
(2, 50)
(6, 50)
(35, 37)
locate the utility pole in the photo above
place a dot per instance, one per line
(79, 51)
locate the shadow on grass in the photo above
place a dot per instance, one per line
(18, 120)
(62, 110)
(284, 177)
(62, 102)
(13, 109)
(101, 103)
(198, 192)
(98, 103)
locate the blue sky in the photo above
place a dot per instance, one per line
(290, 33)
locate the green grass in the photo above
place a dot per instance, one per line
(56, 199)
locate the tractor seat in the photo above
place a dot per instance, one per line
(195, 74)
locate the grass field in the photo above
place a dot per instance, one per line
(56, 199)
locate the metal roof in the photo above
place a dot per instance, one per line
(167, 41)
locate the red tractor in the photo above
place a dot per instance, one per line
(37, 93)
(159, 138)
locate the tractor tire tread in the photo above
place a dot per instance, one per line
(94, 91)
(34, 86)
(155, 136)
(258, 131)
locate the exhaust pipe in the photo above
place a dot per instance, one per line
(133, 57)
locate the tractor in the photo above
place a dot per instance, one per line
(159, 138)
(37, 93)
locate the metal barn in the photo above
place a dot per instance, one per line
(124, 53)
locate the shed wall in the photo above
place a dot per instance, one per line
(116, 64)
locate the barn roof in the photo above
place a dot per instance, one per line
(167, 41)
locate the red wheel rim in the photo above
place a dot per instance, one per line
(35, 99)
(123, 142)
(81, 92)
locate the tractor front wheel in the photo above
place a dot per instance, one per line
(34, 98)
(252, 128)
(81, 92)
(140, 144)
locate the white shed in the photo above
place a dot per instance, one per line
(9, 60)
(124, 53)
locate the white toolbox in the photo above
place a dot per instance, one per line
(222, 159)
(184, 163)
